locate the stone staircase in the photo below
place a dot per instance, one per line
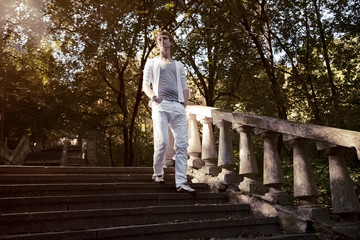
(46, 203)
(48, 157)
(52, 157)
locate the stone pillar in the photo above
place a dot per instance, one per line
(208, 150)
(248, 167)
(343, 197)
(170, 151)
(83, 149)
(226, 159)
(305, 189)
(91, 148)
(194, 148)
(273, 174)
(64, 153)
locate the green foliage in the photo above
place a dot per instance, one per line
(355, 177)
(77, 65)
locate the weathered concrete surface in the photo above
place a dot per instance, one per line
(208, 151)
(304, 181)
(302, 219)
(194, 148)
(277, 196)
(91, 148)
(341, 137)
(226, 152)
(249, 185)
(248, 166)
(136, 209)
(289, 219)
(273, 174)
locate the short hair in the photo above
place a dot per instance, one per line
(163, 32)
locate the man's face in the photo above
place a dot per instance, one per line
(163, 41)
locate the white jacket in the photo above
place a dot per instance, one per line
(152, 76)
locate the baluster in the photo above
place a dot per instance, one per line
(194, 148)
(64, 153)
(226, 158)
(305, 189)
(91, 148)
(248, 167)
(83, 149)
(208, 151)
(343, 197)
(273, 174)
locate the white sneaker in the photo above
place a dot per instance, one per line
(185, 189)
(158, 179)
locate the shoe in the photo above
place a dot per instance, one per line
(185, 189)
(158, 179)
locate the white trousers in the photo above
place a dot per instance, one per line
(172, 114)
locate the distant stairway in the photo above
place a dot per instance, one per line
(65, 203)
(52, 157)
(49, 157)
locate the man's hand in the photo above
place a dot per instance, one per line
(158, 100)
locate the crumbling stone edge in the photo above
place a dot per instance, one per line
(292, 219)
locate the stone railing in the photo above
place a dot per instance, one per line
(64, 153)
(88, 149)
(18, 155)
(220, 161)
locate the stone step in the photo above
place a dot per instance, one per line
(219, 228)
(66, 189)
(82, 202)
(4, 169)
(44, 155)
(44, 162)
(101, 218)
(38, 202)
(299, 236)
(79, 178)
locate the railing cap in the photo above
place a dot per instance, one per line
(337, 136)
(201, 110)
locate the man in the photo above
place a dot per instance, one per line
(169, 95)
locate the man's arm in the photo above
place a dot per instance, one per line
(148, 79)
(184, 85)
(150, 93)
(186, 96)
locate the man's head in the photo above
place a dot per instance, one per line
(163, 39)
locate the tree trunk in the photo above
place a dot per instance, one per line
(334, 94)
(312, 98)
(270, 71)
(122, 102)
(325, 51)
(3, 101)
(111, 152)
(127, 143)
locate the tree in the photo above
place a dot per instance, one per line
(253, 17)
(113, 38)
(28, 98)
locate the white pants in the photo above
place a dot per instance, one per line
(172, 114)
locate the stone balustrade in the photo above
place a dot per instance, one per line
(88, 153)
(220, 161)
(20, 152)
